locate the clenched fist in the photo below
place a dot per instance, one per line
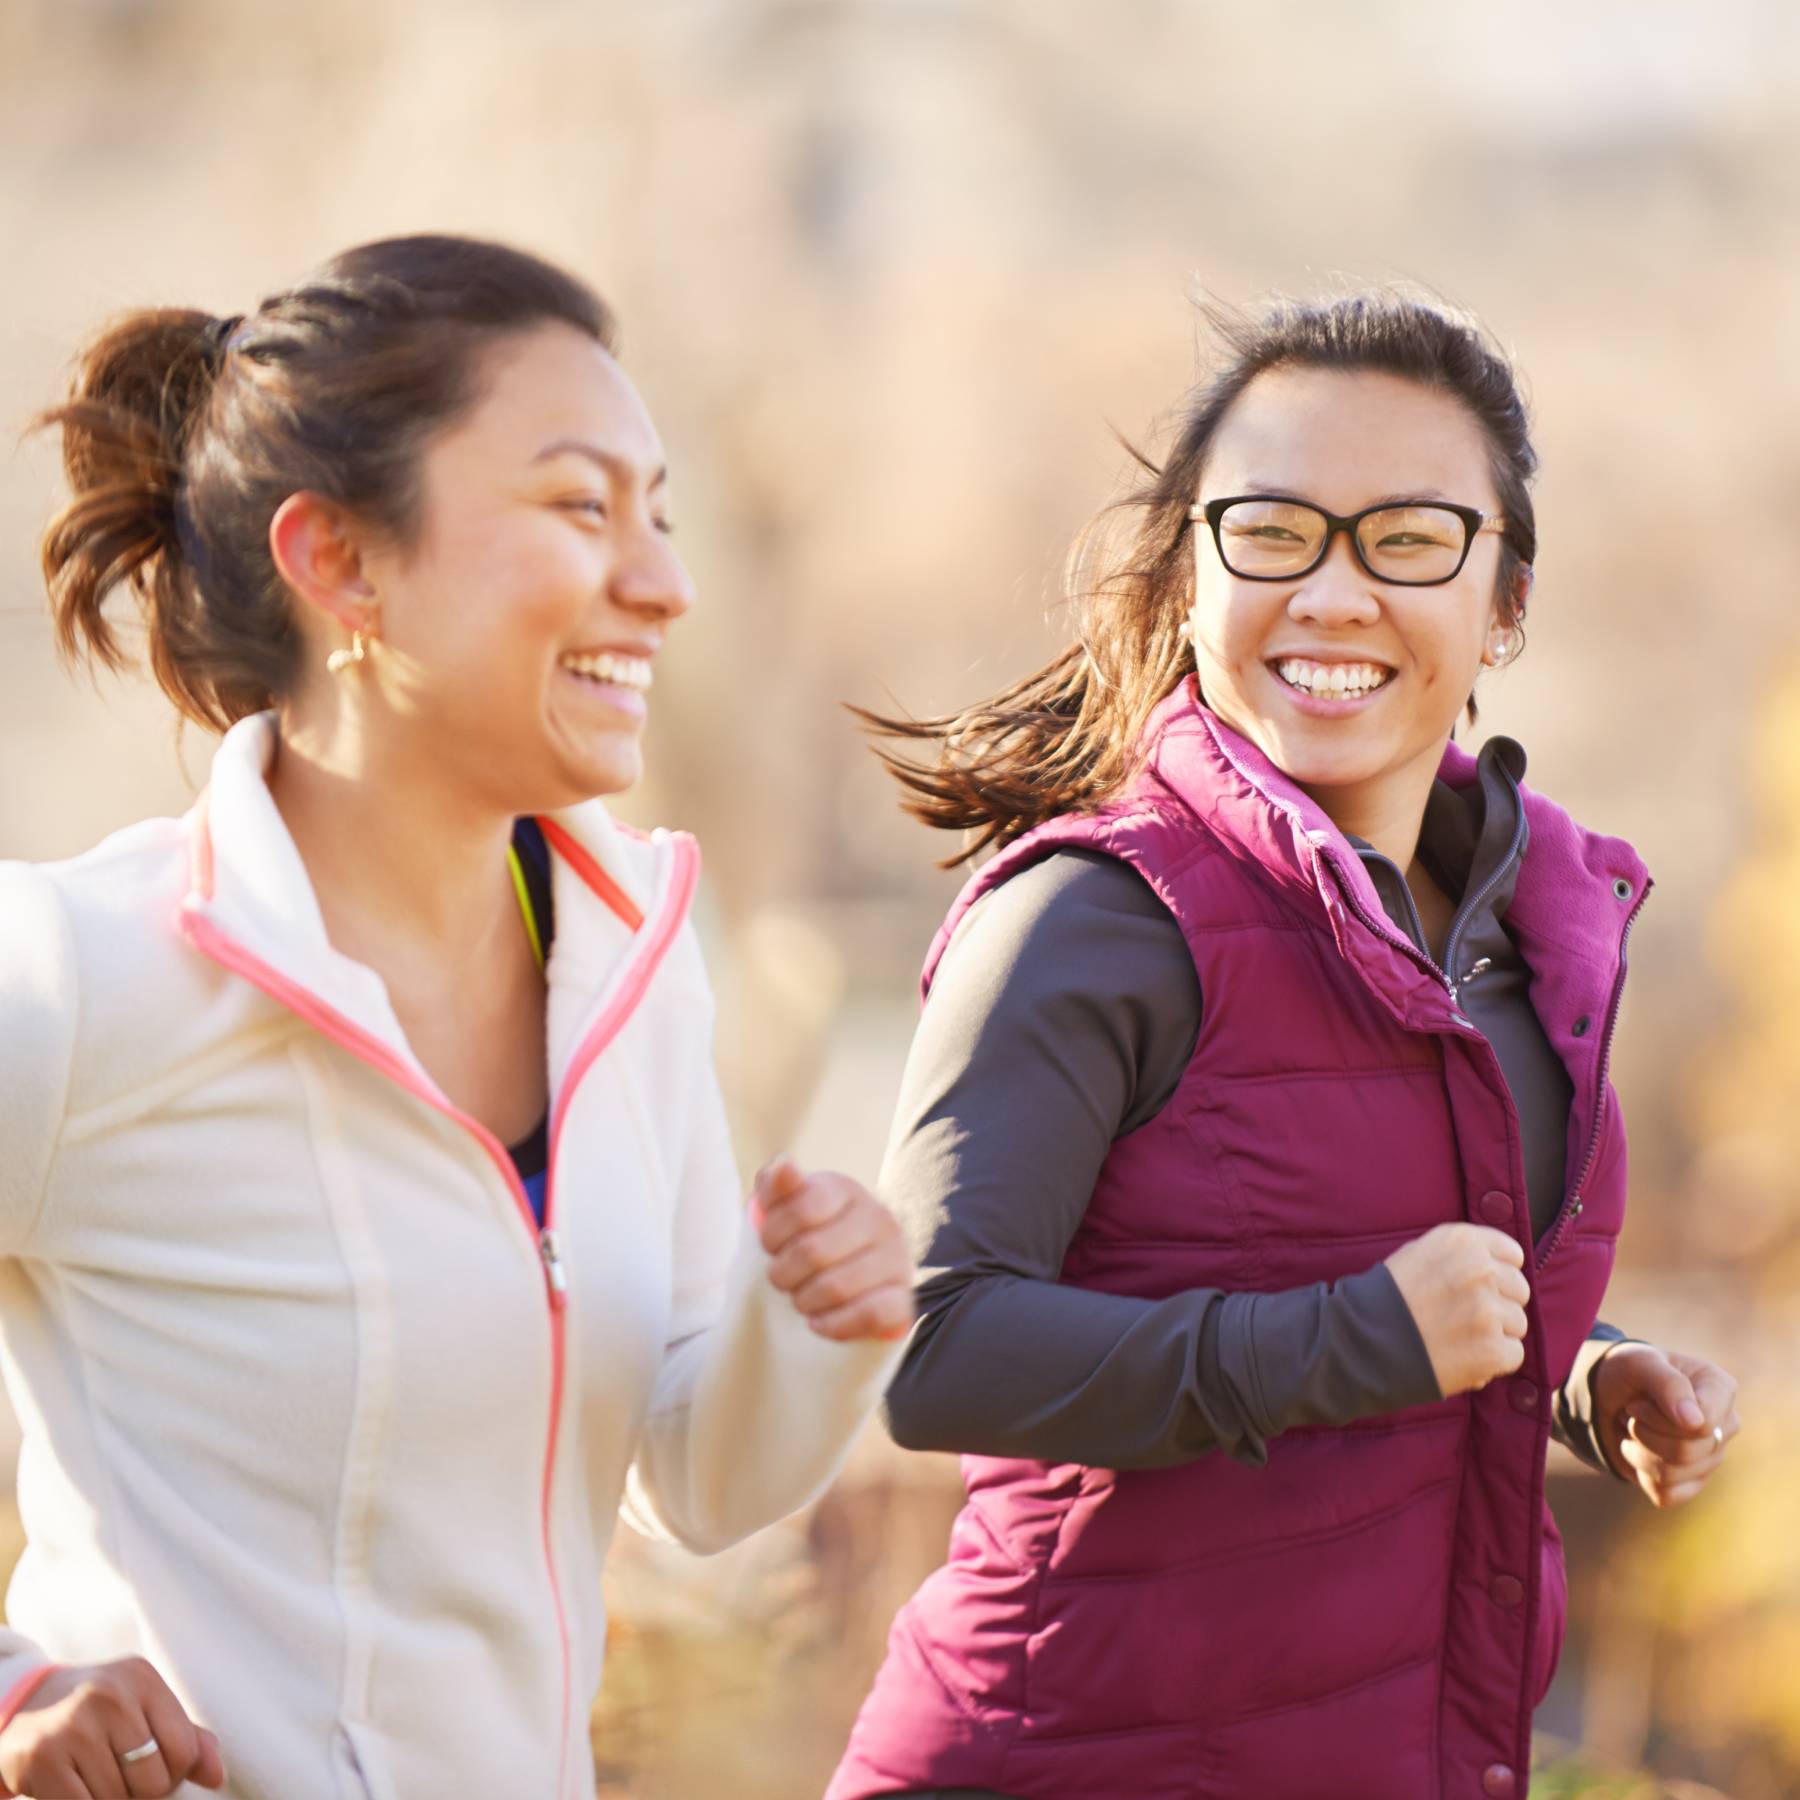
(106, 1731)
(1466, 1290)
(835, 1251)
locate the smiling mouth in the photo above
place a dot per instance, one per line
(1331, 681)
(608, 669)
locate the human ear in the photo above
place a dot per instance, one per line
(1523, 581)
(315, 547)
(1509, 615)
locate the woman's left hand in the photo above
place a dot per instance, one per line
(1664, 1419)
(835, 1251)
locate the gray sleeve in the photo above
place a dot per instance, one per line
(1575, 1422)
(1062, 1016)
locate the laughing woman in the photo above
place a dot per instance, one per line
(1257, 1139)
(369, 1224)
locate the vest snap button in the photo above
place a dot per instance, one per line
(1497, 1208)
(1498, 1781)
(1525, 1396)
(1507, 1591)
(1621, 889)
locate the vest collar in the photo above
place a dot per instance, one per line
(1576, 890)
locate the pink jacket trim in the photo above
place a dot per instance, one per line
(15, 1697)
(215, 943)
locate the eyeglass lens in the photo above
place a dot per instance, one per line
(1400, 543)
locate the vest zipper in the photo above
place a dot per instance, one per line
(1573, 1205)
(1384, 929)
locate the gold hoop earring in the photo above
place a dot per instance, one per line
(339, 660)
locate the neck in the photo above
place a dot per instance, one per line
(409, 868)
(1386, 813)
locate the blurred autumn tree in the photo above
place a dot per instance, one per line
(1720, 1588)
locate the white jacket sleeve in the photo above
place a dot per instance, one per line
(38, 1006)
(753, 1413)
(38, 1009)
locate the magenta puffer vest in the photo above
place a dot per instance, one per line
(1375, 1612)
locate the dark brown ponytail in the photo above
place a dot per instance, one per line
(183, 434)
(138, 392)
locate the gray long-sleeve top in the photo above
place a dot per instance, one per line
(1063, 1016)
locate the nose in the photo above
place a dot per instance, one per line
(650, 577)
(1338, 592)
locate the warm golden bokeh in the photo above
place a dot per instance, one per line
(888, 271)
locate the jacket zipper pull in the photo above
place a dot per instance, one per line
(551, 1251)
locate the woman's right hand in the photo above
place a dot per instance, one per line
(1466, 1290)
(65, 1742)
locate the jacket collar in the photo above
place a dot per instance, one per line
(250, 891)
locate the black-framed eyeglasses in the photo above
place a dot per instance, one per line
(1415, 543)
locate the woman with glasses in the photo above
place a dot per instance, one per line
(369, 1228)
(1257, 1143)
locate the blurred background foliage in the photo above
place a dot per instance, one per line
(890, 274)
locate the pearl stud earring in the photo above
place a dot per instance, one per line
(339, 660)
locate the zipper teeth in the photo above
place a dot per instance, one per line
(1383, 928)
(611, 1021)
(1412, 910)
(1573, 1199)
(213, 942)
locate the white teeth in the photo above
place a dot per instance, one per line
(1332, 681)
(622, 671)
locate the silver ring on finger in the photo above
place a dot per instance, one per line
(1718, 1437)
(142, 1753)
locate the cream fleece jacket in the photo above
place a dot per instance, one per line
(315, 1418)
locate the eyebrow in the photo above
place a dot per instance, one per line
(1275, 490)
(617, 466)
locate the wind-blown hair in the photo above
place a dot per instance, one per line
(1066, 737)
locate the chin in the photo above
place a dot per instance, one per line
(611, 772)
(1304, 759)
(1324, 770)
